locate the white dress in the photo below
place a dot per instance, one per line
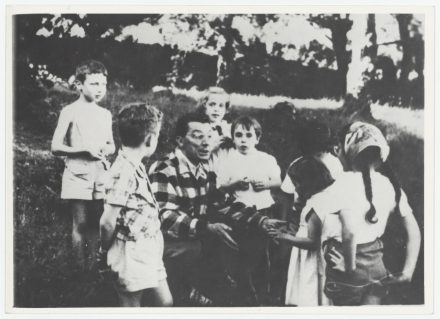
(306, 274)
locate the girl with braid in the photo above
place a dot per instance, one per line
(353, 213)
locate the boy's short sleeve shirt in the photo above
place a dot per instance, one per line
(256, 166)
(89, 124)
(130, 188)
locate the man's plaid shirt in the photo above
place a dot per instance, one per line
(130, 189)
(186, 203)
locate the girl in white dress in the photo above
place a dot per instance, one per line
(305, 277)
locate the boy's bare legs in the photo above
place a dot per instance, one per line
(161, 295)
(85, 230)
(94, 212)
(78, 209)
(130, 299)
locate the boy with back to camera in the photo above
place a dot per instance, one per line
(131, 239)
(84, 136)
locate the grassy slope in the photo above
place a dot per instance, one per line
(44, 271)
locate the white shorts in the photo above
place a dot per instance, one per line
(139, 263)
(83, 179)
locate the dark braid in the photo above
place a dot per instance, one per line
(388, 172)
(371, 214)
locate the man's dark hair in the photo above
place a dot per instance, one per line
(314, 137)
(136, 121)
(184, 120)
(89, 67)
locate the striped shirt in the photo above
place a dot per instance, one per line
(182, 197)
(187, 203)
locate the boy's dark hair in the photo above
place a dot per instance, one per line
(136, 121)
(247, 122)
(311, 174)
(314, 137)
(184, 120)
(89, 67)
(211, 91)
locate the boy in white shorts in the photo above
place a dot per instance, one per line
(131, 239)
(84, 136)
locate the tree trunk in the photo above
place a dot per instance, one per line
(405, 66)
(371, 51)
(339, 31)
(359, 63)
(226, 53)
(404, 20)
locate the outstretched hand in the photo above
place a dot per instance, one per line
(272, 223)
(280, 234)
(222, 231)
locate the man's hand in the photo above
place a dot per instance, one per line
(222, 231)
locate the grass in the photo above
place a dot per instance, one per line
(45, 275)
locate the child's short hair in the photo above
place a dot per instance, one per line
(89, 67)
(136, 121)
(311, 174)
(212, 90)
(247, 122)
(314, 137)
(184, 120)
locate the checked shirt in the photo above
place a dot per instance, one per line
(130, 188)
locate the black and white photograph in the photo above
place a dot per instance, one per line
(220, 160)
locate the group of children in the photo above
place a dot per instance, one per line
(336, 193)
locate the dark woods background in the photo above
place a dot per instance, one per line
(45, 275)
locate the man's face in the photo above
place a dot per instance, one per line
(216, 107)
(197, 144)
(94, 87)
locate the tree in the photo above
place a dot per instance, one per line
(371, 51)
(339, 25)
(359, 39)
(95, 26)
(412, 45)
(216, 33)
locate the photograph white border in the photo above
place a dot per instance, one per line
(101, 8)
